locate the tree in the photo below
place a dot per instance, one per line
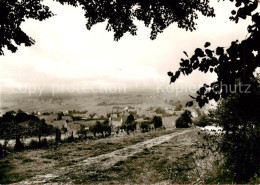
(12, 14)
(157, 121)
(6, 128)
(184, 120)
(145, 126)
(234, 65)
(41, 128)
(130, 118)
(22, 125)
(82, 131)
(130, 124)
(102, 128)
(239, 117)
(106, 127)
(203, 121)
(60, 114)
(64, 130)
(119, 15)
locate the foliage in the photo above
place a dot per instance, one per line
(203, 121)
(60, 114)
(22, 125)
(240, 118)
(232, 64)
(161, 111)
(64, 129)
(101, 128)
(178, 107)
(119, 15)
(12, 14)
(82, 132)
(184, 120)
(130, 124)
(145, 126)
(157, 121)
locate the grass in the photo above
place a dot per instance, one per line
(152, 165)
(6, 174)
(170, 162)
(26, 164)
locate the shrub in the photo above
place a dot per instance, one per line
(203, 121)
(239, 117)
(33, 144)
(157, 121)
(178, 107)
(145, 126)
(184, 120)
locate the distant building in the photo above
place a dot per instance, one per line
(59, 124)
(169, 122)
(116, 122)
(48, 118)
(66, 112)
(96, 117)
(67, 118)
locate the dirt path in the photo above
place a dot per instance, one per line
(105, 161)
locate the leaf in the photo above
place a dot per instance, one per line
(209, 53)
(189, 104)
(216, 97)
(199, 52)
(173, 79)
(220, 50)
(170, 73)
(177, 74)
(185, 53)
(207, 44)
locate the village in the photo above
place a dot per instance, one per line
(73, 119)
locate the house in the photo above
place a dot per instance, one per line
(116, 122)
(88, 124)
(169, 122)
(95, 117)
(67, 118)
(59, 124)
(79, 115)
(114, 116)
(48, 118)
(66, 112)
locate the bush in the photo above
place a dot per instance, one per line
(18, 145)
(157, 121)
(45, 143)
(33, 144)
(203, 121)
(178, 107)
(239, 117)
(145, 126)
(184, 120)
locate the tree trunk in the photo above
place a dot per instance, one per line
(18, 144)
(39, 138)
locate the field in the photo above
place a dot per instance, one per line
(161, 156)
(98, 103)
(171, 156)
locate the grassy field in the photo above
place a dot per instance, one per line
(182, 159)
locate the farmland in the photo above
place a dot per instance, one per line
(170, 161)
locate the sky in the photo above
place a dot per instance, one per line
(68, 57)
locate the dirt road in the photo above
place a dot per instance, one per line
(105, 161)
